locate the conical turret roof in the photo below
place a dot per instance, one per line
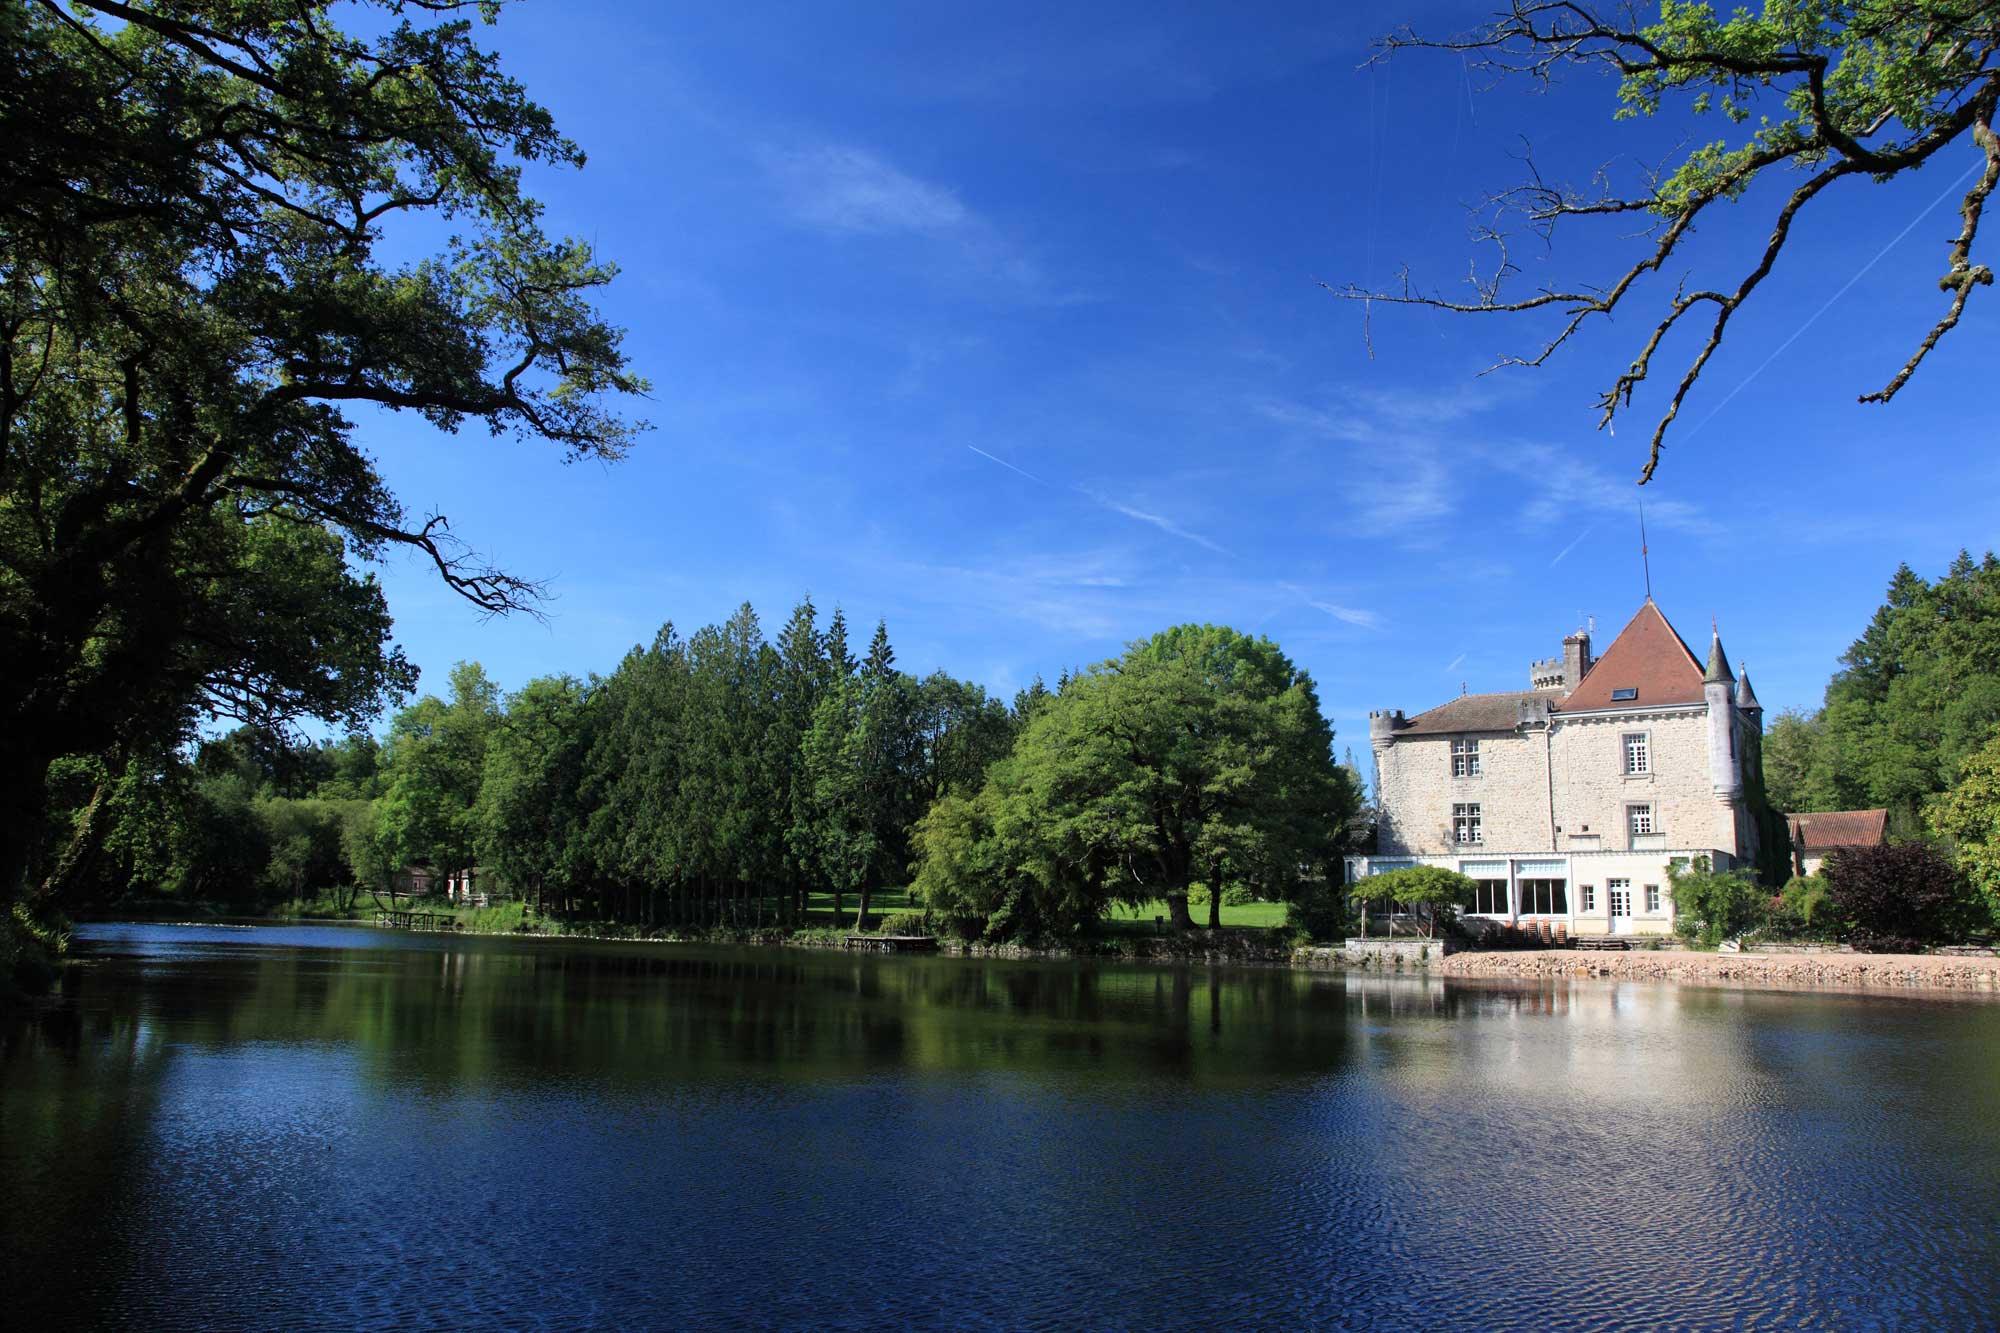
(1718, 662)
(1746, 698)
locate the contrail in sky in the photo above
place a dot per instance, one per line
(1567, 549)
(1004, 463)
(1954, 188)
(1164, 524)
(1452, 665)
(1159, 521)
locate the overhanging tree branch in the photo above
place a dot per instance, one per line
(1923, 73)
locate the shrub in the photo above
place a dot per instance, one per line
(29, 948)
(1319, 912)
(1712, 905)
(1892, 899)
(1430, 891)
(1798, 911)
(1236, 895)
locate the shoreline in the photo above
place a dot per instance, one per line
(1830, 971)
(1819, 971)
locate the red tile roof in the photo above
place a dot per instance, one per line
(1475, 712)
(1649, 656)
(1838, 828)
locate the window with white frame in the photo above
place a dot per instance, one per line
(1652, 897)
(1465, 823)
(1639, 820)
(1587, 893)
(1638, 753)
(1465, 759)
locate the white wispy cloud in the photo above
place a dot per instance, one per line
(1160, 521)
(1351, 615)
(1347, 615)
(846, 191)
(850, 190)
(1453, 665)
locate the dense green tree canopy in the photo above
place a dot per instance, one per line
(194, 296)
(1824, 91)
(1199, 755)
(1968, 816)
(1917, 694)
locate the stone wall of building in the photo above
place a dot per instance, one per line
(1592, 789)
(1417, 792)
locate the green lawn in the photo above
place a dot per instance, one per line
(508, 915)
(888, 902)
(1260, 914)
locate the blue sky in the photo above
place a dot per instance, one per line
(1004, 324)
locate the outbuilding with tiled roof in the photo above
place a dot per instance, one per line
(1819, 832)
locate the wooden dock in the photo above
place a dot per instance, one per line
(892, 943)
(417, 920)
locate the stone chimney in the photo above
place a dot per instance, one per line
(1565, 672)
(1576, 658)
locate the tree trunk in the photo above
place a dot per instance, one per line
(861, 917)
(1215, 895)
(1177, 910)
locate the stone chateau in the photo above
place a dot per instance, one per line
(1568, 801)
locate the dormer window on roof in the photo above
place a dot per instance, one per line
(1620, 696)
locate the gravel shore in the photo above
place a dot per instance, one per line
(1833, 971)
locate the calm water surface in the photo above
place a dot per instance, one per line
(337, 1127)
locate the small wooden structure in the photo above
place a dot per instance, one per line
(1616, 943)
(892, 943)
(417, 920)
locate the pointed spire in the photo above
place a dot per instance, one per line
(1746, 698)
(1718, 661)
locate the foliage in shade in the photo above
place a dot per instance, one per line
(196, 289)
(712, 780)
(1898, 898)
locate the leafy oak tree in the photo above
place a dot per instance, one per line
(1199, 754)
(194, 197)
(428, 812)
(1822, 91)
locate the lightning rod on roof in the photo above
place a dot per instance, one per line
(1645, 559)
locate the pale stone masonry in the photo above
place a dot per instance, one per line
(1569, 801)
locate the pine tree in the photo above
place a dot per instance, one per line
(881, 661)
(839, 660)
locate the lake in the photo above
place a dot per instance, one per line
(340, 1127)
